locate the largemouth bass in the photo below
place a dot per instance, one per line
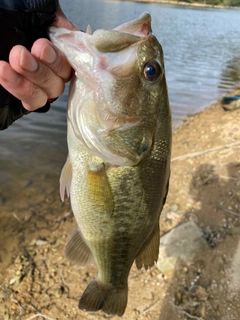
(119, 142)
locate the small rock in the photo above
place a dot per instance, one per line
(14, 280)
(198, 293)
(179, 245)
(40, 242)
(33, 242)
(170, 217)
(18, 272)
(5, 293)
(58, 292)
(235, 230)
(235, 265)
(180, 295)
(148, 295)
(231, 103)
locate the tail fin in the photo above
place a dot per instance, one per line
(107, 298)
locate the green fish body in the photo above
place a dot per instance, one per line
(118, 167)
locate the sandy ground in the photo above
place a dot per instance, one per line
(36, 282)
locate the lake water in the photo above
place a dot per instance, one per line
(201, 45)
(202, 57)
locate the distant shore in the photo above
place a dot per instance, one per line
(183, 3)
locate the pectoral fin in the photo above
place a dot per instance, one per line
(149, 252)
(98, 190)
(66, 179)
(77, 251)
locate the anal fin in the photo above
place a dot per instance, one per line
(77, 251)
(148, 254)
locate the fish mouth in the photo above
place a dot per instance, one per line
(122, 36)
(138, 27)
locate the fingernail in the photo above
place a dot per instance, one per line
(48, 55)
(27, 61)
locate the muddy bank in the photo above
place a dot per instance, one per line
(36, 282)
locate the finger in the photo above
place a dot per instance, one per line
(22, 61)
(47, 53)
(32, 96)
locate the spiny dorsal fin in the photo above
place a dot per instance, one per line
(77, 251)
(66, 179)
(89, 29)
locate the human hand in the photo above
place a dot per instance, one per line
(33, 77)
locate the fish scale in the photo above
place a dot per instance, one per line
(119, 143)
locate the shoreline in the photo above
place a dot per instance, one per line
(215, 107)
(186, 4)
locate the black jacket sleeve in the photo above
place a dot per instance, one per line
(21, 22)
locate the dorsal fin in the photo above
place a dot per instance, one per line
(89, 29)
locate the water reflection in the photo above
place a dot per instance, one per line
(230, 73)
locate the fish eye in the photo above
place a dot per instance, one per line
(152, 71)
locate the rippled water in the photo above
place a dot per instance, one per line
(201, 45)
(202, 57)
